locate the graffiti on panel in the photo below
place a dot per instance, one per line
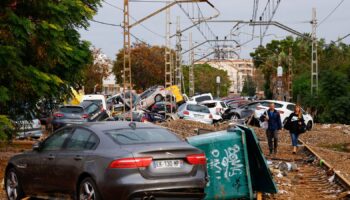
(225, 163)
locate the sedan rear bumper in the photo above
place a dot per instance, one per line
(134, 186)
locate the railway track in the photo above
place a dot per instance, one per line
(336, 177)
(313, 179)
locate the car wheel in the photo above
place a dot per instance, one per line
(88, 190)
(284, 122)
(158, 98)
(309, 126)
(234, 117)
(13, 187)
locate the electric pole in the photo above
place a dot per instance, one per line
(314, 60)
(168, 57)
(290, 75)
(191, 66)
(127, 84)
(178, 59)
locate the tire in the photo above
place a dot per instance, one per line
(309, 126)
(88, 190)
(13, 186)
(158, 98)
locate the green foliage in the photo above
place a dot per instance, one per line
(332, 101)
(6, 128)
(249, 87)
(205, 79)
(147, 63)
(41, 54)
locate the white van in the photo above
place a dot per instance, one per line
(96, 98)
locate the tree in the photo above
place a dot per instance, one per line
(147, 63)
(249, 87)
(96, 71)
(41, 54)
(334, 75)
(205, 79)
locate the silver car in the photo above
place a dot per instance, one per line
(153, 95)
(195, 112)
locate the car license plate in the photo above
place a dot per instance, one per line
(199, 116)
(161, 164)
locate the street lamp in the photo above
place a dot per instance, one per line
(218, 81)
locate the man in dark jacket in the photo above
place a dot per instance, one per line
(272, 116)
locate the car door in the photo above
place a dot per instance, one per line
(248, 110)
(41, 166)
(70, 161)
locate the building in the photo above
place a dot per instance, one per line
(237, 70)
(109, 85)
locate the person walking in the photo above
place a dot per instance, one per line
(296, 126)
(273, 119)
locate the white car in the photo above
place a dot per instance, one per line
(28, 127)
(284, 108)
(216, 107)
(195, 112)
(201, 98)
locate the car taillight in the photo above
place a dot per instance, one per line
(144, 119)
(197, 159)
(85, 116)
(218, 110)
(186, 112)
(58, 115)
(125, 163)
(280, 111)
(210, 116)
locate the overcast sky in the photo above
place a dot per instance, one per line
(292, 13)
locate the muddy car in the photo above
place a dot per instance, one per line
(108, 161)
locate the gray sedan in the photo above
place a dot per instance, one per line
(108, 160)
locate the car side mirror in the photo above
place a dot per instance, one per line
(36, 146)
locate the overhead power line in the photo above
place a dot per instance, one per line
(145, 27)
(118, 25)
(339, 4)
(342, 38)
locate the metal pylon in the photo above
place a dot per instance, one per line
(314, 60)
(168, 57)
(127, 84)
(178, 58)
(290, 75)
(191, 66)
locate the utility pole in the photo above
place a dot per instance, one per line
(168, 57)
(127, 84)
(314, 60)
(178, 59)
(191, 66)
(290, 75)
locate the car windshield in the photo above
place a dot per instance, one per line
(198, 108)
(96, 101)
(210, 105)
(71, 109)
(203, 98)
(142, 136)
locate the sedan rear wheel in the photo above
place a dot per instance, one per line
(13, 187)
(88, 190)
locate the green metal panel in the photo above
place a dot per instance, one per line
(227, 164)
(262, 180)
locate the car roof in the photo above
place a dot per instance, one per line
(111, 125)
(276, 101)
(211, 101)
(93, 96)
